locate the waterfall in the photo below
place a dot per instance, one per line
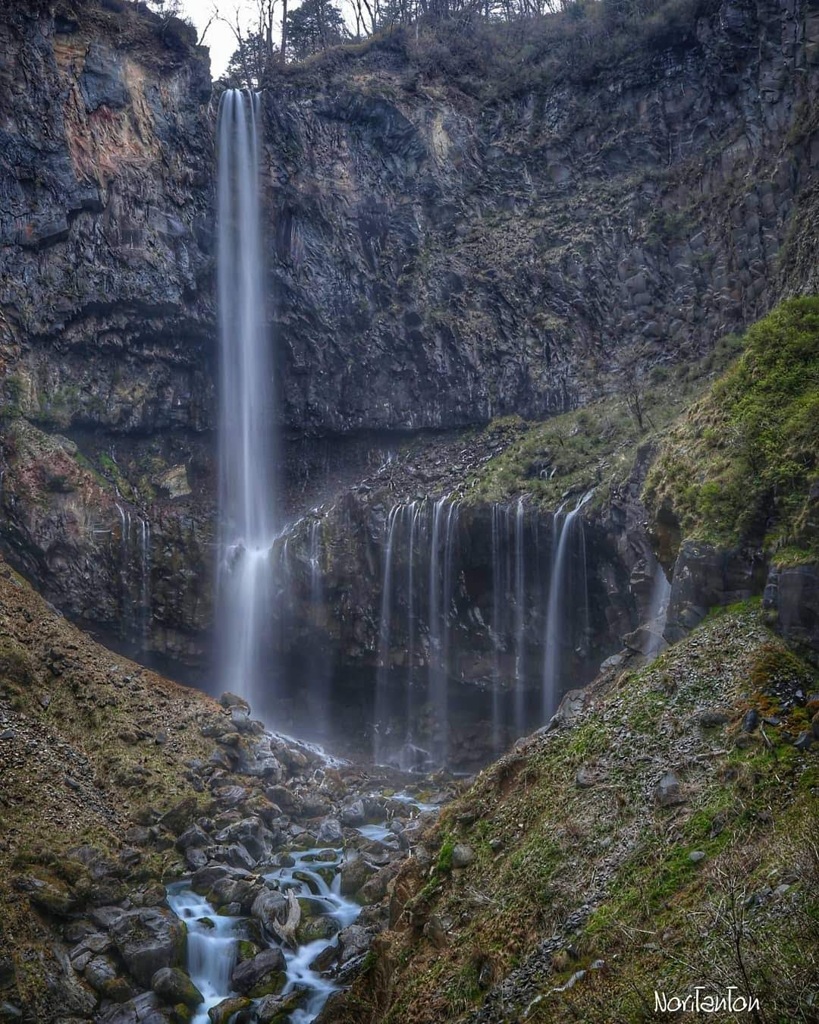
(135, 576)
(145, 579)
(380, 745)
(413, 510)
(556, 618)
(319, 682)
(520, 598)
(657, 612)
(441, 702)
(246, 447)
(125, 566)
(440, 592)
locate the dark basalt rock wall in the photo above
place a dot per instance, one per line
(105, 242)
(106, 310)
(440, 258)
(436, 257)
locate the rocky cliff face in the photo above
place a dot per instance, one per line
(105, 305)
(447, 243)
(448, 249)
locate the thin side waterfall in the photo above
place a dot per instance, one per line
(520, 621)
(145, 579)
(498, 591)
(657, 612)
(319, 682)
(555, 608)
(436, 672)
(380, 739)
(124, 565)
(441, 701)
(135, 576)
(414, 520)
(246, 421)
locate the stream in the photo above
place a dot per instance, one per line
(314, 875)
(213, 938)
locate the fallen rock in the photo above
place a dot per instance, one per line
(148, 939)
(667, 791)
(270, 908)
(355, 872)
(330, 831)
(224, 1011)
(173, 986)
(143, 1009)
(264, 975)
(462, 855)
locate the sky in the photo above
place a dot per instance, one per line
(219, 38)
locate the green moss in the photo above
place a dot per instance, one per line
(444, 862)
(738, 470)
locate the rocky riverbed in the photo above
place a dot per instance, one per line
(136, 814)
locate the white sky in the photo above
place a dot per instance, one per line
(220, 39)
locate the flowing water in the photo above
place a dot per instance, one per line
(657, 612)
(381, 739)
(558, 603)
(213, 938)
(246, 415)
(520, 619)
(135, 576)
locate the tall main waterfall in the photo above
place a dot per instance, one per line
(246, 422)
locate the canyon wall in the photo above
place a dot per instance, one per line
(455, 234)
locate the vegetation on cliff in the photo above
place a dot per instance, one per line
(595, 446)
(742, 466)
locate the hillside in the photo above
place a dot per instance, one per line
(661, 837)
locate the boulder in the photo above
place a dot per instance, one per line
(228, 1008)
(330, 831)
(269, 907)
(173, 986)
(148, 939)
(105, 977)
(277, 1009)
(320, 926)
(143, 1009)
(462, 855)
(667, 791)
(264, 975)
(355, 872)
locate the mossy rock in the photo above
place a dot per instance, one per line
(15, 663)
(222, 1013)
(53, 897)
(246, 950)
(312, 929)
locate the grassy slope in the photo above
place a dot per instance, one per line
(88, 740)
(595, 446)
(739, 468)
(606, 872)
(568, 875)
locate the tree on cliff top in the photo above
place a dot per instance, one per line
(314, 26)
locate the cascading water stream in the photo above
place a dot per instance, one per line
(555, 608)
(444, 524)
(413, 510)
(213, 938)
(246, 440)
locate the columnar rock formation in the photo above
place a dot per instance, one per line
(444, 250)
